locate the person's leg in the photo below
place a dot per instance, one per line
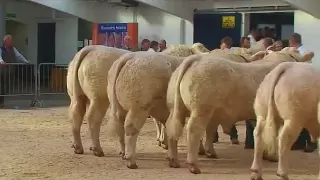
(216, 139)
(310, 146)
(249, 142)
(300, 143)
(234, 135)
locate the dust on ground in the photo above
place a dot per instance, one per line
(36, 144)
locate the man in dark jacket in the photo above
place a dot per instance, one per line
(8, 54)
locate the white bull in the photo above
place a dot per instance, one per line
(289, 95)
(213, 91)
(87, 84)
(137, 87)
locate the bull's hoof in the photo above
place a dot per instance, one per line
(159, 142)
(194, 169)
(256, 176)
(211, 155)
(132, 166)
(97, 152)
(121, 153)
(77, 150)
(173, 163)
(283, 176)
(164, 146)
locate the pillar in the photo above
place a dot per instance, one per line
(3, 16)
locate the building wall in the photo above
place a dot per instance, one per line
(66, 29)
(154, 24)
(308, 26)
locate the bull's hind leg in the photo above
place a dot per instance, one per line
(160, 114)
(287, 136)
(96, 112)
(134, 121)
(210, 135)
(77, 109)
(196, 126)
(256, 166)
(158, 128)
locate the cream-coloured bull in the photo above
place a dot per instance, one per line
(213, 91)
(289, 95)
(137, 87)
(87, 84)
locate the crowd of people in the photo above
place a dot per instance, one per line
(271, 43)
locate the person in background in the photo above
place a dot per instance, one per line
(273, 34)
(260, 34)
(226, 43)
(163, 45)
(154, 46)
(127, 43)
(304, 140)
(253, 36)
(118, 40)
(268, 43)
(110, 39)
(145, 45)
(245, 42)
(8, 54)
(266, 32)
(278, 45)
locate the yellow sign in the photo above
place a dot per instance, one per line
(228, 21)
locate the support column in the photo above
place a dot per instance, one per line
(3, 16)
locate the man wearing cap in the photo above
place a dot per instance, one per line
(8, 54)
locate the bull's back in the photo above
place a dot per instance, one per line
(141, 80)
(93, 72)
(298, 88)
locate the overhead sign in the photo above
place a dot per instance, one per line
(228, 22)
(11, 15)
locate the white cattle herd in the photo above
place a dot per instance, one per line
(190, 84)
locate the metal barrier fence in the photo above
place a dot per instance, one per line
(17, 79)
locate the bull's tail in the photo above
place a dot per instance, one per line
(76, 62)
(175, 125)
(114, 124)
(272, 126)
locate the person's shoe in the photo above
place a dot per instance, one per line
(235, 141)
(248, 146)
(297, 146)
(310, 147)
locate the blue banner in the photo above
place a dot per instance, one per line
(113, 27)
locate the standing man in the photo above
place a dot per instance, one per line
(304, 140)
(127, 43)
(253, 36)
(8, 54)
(163, 45)
(154, 46)
(145, 45)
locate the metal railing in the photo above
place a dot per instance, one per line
(17, 79)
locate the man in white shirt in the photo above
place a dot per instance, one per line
(304, 140)
(154, 46)
(296, 42)
(252, 36)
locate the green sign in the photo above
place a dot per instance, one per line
(11, 15)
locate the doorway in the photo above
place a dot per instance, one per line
(46, 43)
(46, 50)
(209, 30)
